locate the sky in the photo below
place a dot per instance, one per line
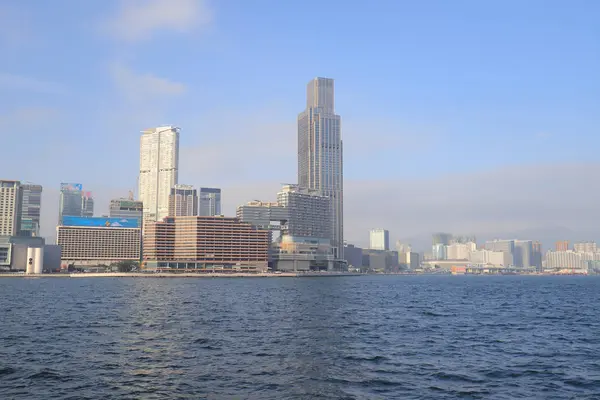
(466, 116)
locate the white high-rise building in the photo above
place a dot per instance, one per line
(159, 167)
(379, 239)
(320, 165)
(10, 207)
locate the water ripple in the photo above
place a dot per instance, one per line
(380, 337)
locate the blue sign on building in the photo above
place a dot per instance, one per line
(101, 222)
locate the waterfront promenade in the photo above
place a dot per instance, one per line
(178, 275)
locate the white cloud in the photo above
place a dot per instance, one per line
(143, 87)
(138, 20)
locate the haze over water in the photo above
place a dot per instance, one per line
(372, 337)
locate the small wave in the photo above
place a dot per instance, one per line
(47, 374)
(7, 371)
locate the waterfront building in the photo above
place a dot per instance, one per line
(183, 201)
(303, 219)
(15, 252)
(505, 246)
(537, 255)
(87, 204)
(210, 202)
(439, 251)
(202, 243)
(523, 253)
(585, 247)
(70, 201)
(379, 239)
(159, 170)
(89, 241)
(353, 255)
(320, 160)
(459, 251)
(10, 207)
(409, 259)
(562, 245)
(31, 205)
(126, 208)
(567, 259)
(490, 257)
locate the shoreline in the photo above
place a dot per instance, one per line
(177, 275)
(244, 275)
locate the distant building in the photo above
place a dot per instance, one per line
(585, 247)
(210, 202)
(439, 251)
(409, 260)
(562, 245)
(88, 241)
(441, 238)
(126, 208)
(31, 205)
(490, 257)
(537, 255)
(159, 170)
(381, 260)
(183, 201)
(379, 239)
(568, 259)
(353, 255)
(505, 246)
(459, 251)
(10, 207)
(87, 204)
(70, 201)
(205, 243)
(523, 253)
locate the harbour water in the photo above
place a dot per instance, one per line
(367, 337)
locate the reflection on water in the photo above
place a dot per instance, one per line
(355, 337)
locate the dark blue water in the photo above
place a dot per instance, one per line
(378, 337)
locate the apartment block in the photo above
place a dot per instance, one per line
(201, 243)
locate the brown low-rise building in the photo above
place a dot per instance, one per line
(205, 244)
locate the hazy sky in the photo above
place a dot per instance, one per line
(464, 116)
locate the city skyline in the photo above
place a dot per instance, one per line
(402, 131)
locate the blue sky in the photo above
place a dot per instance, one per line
(431, 93)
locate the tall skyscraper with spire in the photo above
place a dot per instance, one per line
(320, 159)
(159, 170)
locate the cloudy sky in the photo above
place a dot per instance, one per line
(466, 116)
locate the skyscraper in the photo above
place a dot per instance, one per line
(210, 202)
(10, 207)
(183, 201)
(31, 205)
(379, 239)
(87, 204)
(70, 201)
(159, 164)
(320, 160)
(562, 245)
